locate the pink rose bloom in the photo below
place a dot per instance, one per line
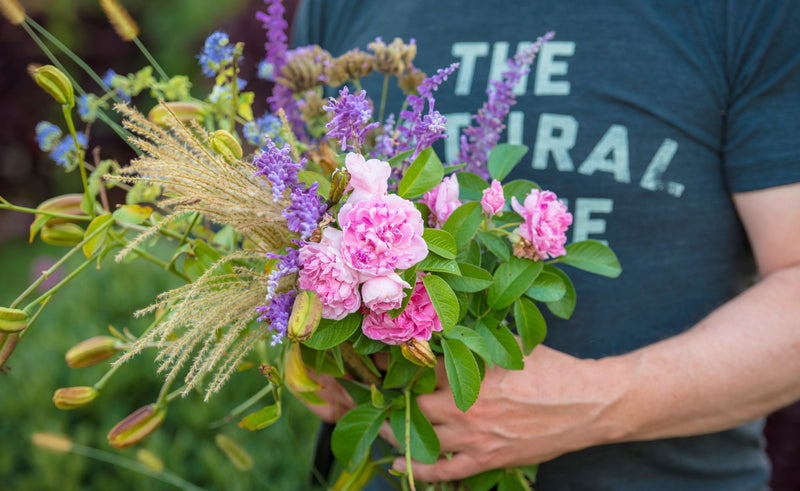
(325, 273)
(367, 177)
(546, 222)
(493, 200)
(383, 293)
(381, 234)
(417, 321)
(442, 200)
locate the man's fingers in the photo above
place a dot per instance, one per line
(459, 466)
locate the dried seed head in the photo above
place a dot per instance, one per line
(410, 80)
(120, 19)
(393, 59)
(352, 65)
(304, 69)
(12, 11)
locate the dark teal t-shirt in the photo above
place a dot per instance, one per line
(645, 116)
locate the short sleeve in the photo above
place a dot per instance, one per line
(762, 136)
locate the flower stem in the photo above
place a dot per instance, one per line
(288, 128)
(383, 96)
(363, 372)
(150, 58)
(242, 407)
(68, 117)
(407, 396)
(5, 205)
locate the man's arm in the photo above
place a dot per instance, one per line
(739, 363)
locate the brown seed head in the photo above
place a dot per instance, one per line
(120, 19)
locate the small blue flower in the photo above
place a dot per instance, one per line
(84, 111)
(47, 135)
(266, 71)
(217, 51)
(62, 151)
(255, 131)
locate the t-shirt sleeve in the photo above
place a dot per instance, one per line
(306, 26)
(762, 137)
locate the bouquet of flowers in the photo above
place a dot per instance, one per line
(318, 229)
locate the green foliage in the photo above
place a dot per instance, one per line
(504, 158)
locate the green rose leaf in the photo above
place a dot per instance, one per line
(462, 373)
(464, 222)
(531, 326)
(95, 243)
(594, 257)
(472, 279)
(399, 372)
(503, 158)
(495, 244)
(472, 340)
(422, 439)
(360, 393)
(355, 432)
(423, 175)
(484, 481)
(470, 186)
(518, 188)
(511, 279)
(444, 301)
(331, 333)
(440, 242)
(548, 287)
(503, 346)
(563, 307)
(262, 418)
(434, 262)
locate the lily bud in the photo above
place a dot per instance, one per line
(66, 204)
(339, 181)
(305, 316)
(55, 83)
(62, 234)
(271, 373)
(12, 320)
(418, 352)
(150, 460)
(236, 454)
(297, 377)
(184, 111)
(137, 426)
(90, 352)
(52, 442)
(74, 397)
(226, 145)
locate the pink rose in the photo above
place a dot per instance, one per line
(493, 200)
(325, 273)
(545, 227)
(381, 234)
(442, 200)
(367, 177)
(383, 293)
(417, 321)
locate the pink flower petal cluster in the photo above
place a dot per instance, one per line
(381, 234)
(442, 201)
(325, 273)
(367, 177)
(546, 221)
(384, 293)
(417, 321)
(493, 200)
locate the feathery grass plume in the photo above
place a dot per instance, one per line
(178, 158)
(12, 11)
(120, 19)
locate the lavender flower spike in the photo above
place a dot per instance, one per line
(278, 167)
(351, 118)
(478, 141)
(276, 26)
(305, 212)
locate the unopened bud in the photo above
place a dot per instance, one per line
(137, 426)
(52, 442)
(53, 80)
(92, 351)
(271, 373)
(62, 234)
(226, 145)
(12, 320)
(297, 377)
(339, 181)
(163, 113)
(8, 341)
(236, 454)
(66, 204)
(150, 460)
(418, 352)
(305, 316)
(74, 397)
(12, 11)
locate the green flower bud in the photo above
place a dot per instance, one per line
(271, 373)
(62, 234)
(137, 426)
(66, 204)
(305, 316)
(150, 460)
(74, 397)
(162, 114)
(52, 442)
(418, 352)
(226, 145)
(236, 454)
(12, 320)
(53, 80)
(297, 377)
(339, 181)
(90, 352)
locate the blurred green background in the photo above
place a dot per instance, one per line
(174, 31)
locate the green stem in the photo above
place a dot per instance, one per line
(163, 394)
(383, 96)
(57, 287)
(150, 58)
(130, 464)
(35, 316)
(8, 206)
(68, 117)
(100, 385)
(407, 396)
(242, 407)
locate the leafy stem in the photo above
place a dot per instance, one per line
(407, 444)
(68, 117)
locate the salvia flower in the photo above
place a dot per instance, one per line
(47, 135)
(277, 166)
(276, 45)
(217, 52)
(478, 141)
(350, 120)
(277, 313)
(305, 211)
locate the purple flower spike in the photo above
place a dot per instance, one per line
(276, 26)
(351, 118)
(278, 167)
(277, 313)
(303, 215)
(478, 141)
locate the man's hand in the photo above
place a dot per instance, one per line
(553, 406)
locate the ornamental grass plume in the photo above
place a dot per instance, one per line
(12, 11)
(120, 19)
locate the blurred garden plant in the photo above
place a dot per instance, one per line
(315, 235)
